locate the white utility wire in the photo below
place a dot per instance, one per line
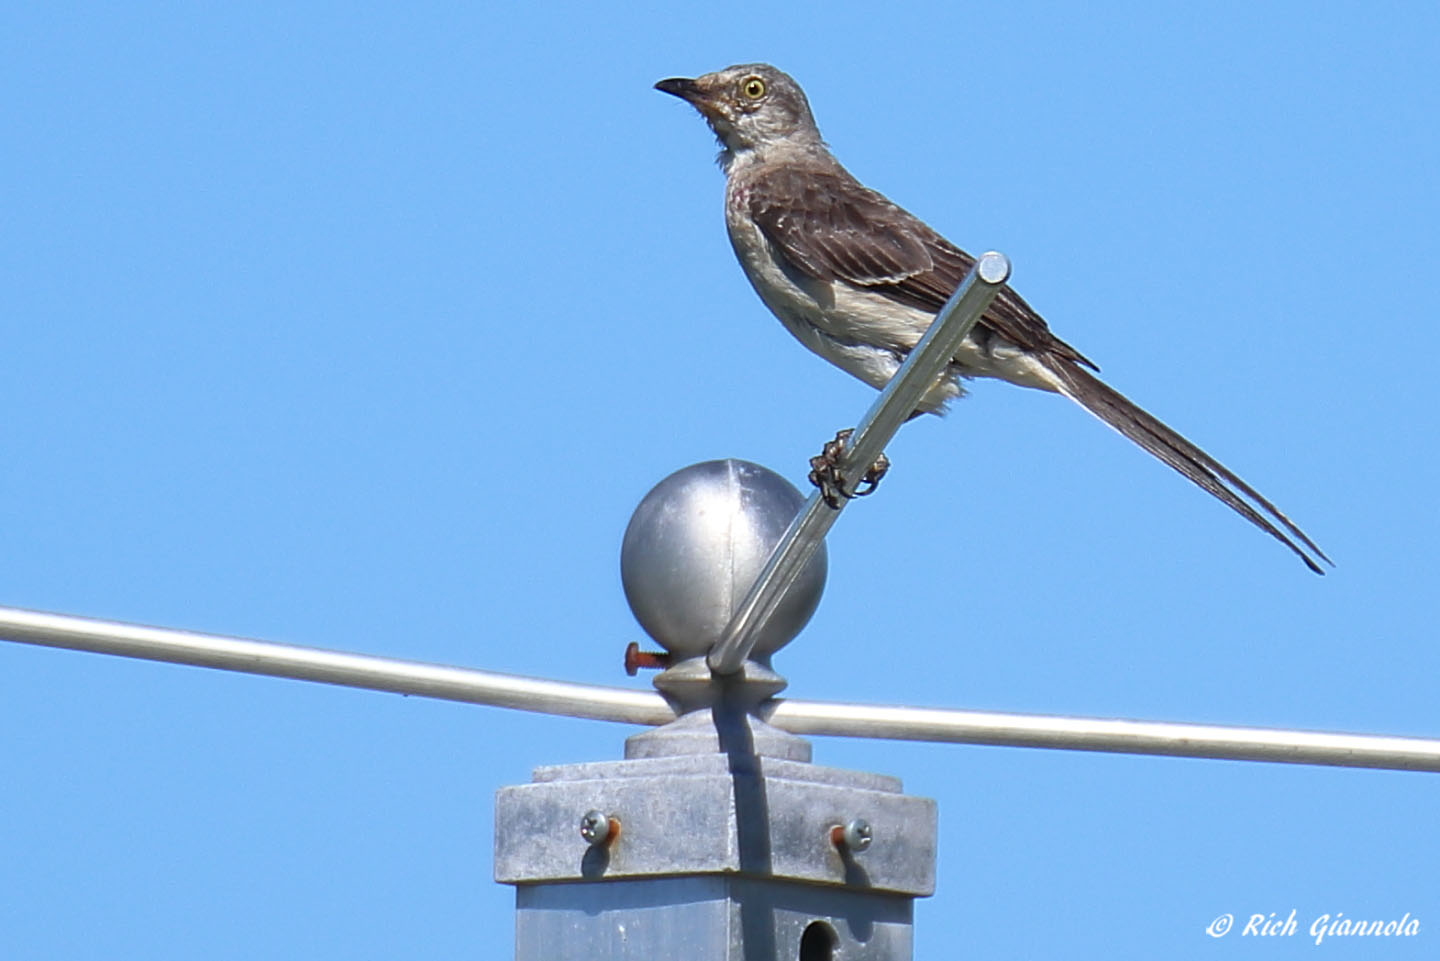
(647, 708)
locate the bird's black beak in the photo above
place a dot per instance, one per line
(682, 87)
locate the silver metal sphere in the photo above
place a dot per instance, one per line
(695, 545)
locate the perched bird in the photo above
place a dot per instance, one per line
(858, 280)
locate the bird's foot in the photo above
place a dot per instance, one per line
(825, 472)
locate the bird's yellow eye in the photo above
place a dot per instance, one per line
(753, 88)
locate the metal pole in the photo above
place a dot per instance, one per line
(899, 399)
(647, 708)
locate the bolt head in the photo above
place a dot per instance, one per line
(594, 827)
(858, 835)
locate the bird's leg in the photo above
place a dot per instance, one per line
(825, 472)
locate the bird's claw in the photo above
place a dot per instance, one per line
(825, 472)
(871, 478)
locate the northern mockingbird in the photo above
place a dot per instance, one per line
(858, 280)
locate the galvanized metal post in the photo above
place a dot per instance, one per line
(715, 839)
(714, 855)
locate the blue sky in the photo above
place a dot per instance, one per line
(366, 327)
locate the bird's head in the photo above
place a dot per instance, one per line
(750, 106)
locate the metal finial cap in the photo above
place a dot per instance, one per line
(695, 545)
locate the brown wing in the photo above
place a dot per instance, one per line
(832, 228)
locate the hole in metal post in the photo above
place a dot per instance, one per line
(818, 942)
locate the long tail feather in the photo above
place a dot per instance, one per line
(1126, 417)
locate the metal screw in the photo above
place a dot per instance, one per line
(598, 828)
(854, 835)
(636, 659)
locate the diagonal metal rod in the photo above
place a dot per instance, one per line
(924, 365)
(646, 707)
